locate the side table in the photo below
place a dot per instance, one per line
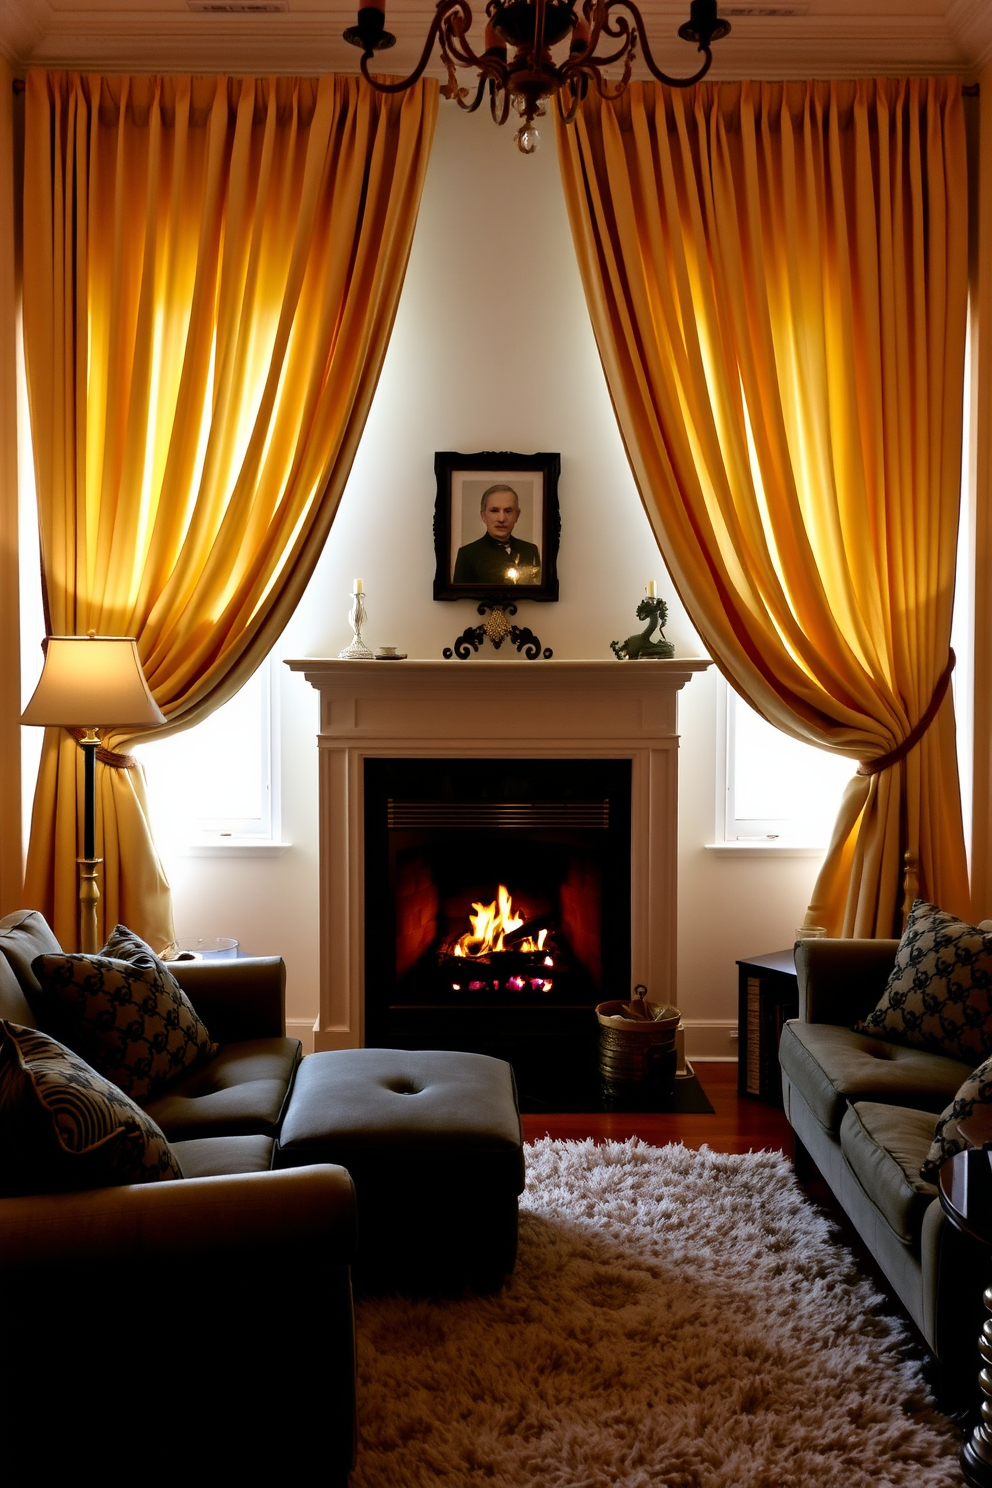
(767, 995)
(966, 1199)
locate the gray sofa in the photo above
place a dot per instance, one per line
(864, 1111)
(152, 1321)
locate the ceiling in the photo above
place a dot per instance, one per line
(779, 38)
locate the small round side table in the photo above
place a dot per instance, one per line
(966, 1199)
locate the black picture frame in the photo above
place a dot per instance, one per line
(462, 481)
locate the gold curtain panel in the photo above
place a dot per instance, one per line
(777, 277)
(211, 273)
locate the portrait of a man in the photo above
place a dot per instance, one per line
(497, 526)
(497, 557)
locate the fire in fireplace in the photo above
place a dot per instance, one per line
(502, 950)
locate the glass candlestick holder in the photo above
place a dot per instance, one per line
(357, 651)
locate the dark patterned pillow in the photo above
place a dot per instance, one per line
(947, 1139)
(63, 1126)
(124, 1012)
(939, 996)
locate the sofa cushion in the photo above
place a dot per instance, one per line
(884, 1146)
(975, 1091)
(243, 1089)
(218, 1157)
(939, 996)
(63, 1126)
(125, 1014)
(833, 1066)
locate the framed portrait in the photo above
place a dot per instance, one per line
(496, 526)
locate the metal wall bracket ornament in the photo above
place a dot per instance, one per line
(497, 628)
(640, 646)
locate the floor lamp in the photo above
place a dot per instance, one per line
(87, 678)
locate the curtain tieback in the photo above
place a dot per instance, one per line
(108, 756)
(872, 767)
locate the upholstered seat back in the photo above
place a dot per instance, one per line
(24, 935)
(13, 1003)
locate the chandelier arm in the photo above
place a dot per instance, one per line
(653, 68)
(444, 8)
(503, 91)
(470, 108)
(603, 84)
(603, 25)
(453, 36)
(567, 116)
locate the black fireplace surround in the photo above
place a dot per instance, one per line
(445, 840)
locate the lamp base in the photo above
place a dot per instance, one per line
(89, 898)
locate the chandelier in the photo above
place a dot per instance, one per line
(602, 33)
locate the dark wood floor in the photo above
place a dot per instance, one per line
(735, 1125)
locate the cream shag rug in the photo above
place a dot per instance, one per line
(676, 1318)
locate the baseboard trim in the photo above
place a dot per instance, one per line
(302, 1029)
(710, 1039)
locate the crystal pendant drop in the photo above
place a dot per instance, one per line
(527, 139)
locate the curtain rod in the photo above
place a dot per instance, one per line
(969, 90)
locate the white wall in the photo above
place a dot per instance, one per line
(492, 349)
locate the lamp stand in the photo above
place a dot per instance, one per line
(89, 863)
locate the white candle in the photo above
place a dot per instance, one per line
(359, 587)
(652, 589)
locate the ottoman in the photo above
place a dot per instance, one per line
(433, 1144)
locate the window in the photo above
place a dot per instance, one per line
(776, 791)
(214, 787)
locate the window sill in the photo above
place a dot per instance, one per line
(763, 850)
(230, 847)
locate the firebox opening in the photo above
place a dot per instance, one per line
(497, 907)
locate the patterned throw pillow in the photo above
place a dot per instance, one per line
(63, 1126)
(947, 1139)
(939, 996)
(124, 1012)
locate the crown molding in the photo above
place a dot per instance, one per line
(970, 22)
(309, 42)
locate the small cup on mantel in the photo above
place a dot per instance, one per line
(387, 650)
(811, 932)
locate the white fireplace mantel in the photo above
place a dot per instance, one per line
(466, 709)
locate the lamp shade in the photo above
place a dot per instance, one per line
(92, 682)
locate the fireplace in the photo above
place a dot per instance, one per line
(493, 742)
(497, 896)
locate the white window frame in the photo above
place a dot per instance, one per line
(755, 837)
(230, 836)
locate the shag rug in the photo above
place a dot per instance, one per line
(676, 1318)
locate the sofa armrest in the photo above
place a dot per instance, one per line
(305, 1215)
(177, 1305)
(841, 981)
(239, 999)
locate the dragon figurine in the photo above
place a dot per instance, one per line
(640, 646)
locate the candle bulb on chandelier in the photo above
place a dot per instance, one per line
(651, 589)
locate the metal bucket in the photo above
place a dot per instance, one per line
(637, 1058)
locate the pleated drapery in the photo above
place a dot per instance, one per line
(211, 272)
(777, 279)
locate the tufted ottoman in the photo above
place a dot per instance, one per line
(432, 1141)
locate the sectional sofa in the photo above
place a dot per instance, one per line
(193, 1327)
(864, 1109)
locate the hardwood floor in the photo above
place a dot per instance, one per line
(735, 1125)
